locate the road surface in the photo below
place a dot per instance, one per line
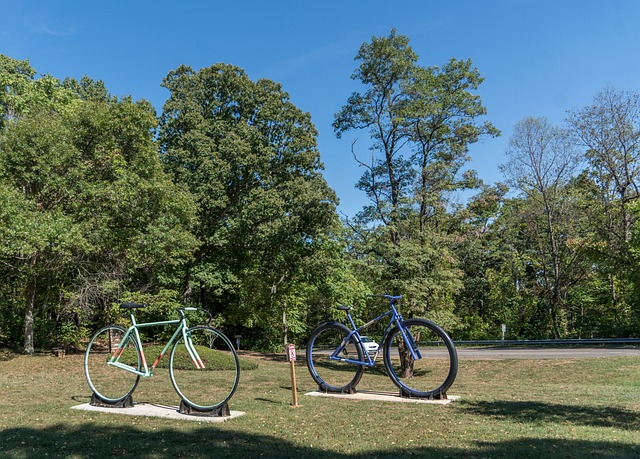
(514, 352)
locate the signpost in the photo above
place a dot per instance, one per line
(291, 357)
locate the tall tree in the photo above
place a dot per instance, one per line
(541, 161)
(421, 121)
(482, 250)
(249, 157)
(609, 131)
(22, 93)
(387, 64)
(441, 115)
(90, 185)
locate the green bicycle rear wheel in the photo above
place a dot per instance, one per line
(207, 383)
(109, 383)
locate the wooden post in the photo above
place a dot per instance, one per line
(291, 356)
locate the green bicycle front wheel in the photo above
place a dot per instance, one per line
(207, 380)
(109, 383)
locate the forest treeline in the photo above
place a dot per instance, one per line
(219, 202)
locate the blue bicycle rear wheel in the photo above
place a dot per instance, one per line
(333, 375)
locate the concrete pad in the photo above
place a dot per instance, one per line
(158, 411)
(384, 397)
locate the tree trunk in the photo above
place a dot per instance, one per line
(285, 325)
(30, 300)
(406, 361)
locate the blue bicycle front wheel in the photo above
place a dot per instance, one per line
(434, 372)
(334, 375)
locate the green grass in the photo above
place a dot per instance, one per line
(215, 360)
(508, 409)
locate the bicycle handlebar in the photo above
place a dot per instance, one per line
(391, 298)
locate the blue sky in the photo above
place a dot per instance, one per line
(538, 57)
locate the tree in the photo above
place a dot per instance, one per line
(250, 159)
(541, 161)
(421, 122)
(441, 116)
(386, 65)
(22, 93)
(482, 250)
(86, 199)
(609, 131)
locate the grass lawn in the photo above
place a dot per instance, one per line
(508, 409)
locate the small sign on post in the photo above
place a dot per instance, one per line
(291, 357)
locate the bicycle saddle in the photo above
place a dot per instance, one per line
(132, 305)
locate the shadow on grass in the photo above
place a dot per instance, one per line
(541, 412)
(98, 441)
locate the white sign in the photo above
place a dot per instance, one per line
(291, 352)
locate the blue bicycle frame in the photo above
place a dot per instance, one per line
(396, 318)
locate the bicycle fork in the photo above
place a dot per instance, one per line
(191, 350)
(406, 336)
(410, 343)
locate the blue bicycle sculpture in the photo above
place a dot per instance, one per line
(419, 356)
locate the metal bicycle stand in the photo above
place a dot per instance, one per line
(126, 402)
(221, 411)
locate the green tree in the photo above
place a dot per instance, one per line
(541, 161)
(87, 202)
(608, 130)
(250, 159)
(483, 250)
(421, 121)
(22, 93)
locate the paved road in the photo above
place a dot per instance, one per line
(531, 352)
(497, 353)
(521, 352)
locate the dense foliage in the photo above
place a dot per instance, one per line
(219, 202)
(266, 215)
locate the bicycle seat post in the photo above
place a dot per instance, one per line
(346, 309)
(133, 317)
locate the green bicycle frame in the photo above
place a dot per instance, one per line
(132, 333)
